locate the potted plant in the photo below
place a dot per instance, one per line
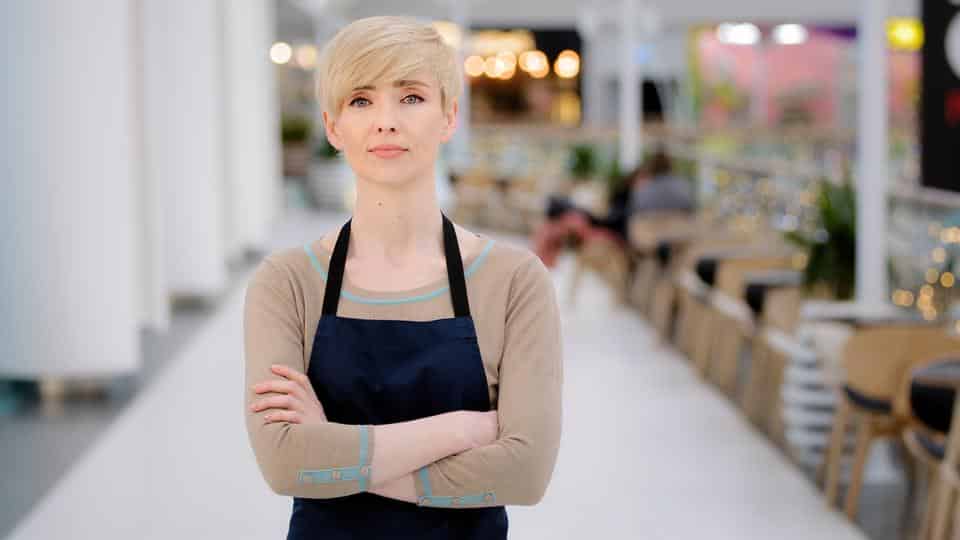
(586, 190)
(832, 247)
(295, 134)
(582, 162)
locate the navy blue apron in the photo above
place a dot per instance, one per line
(386, 371)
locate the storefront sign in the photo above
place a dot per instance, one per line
(940, 114)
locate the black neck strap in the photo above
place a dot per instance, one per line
(451, 252)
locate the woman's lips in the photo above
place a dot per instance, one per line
(387, 154)
(387, 151)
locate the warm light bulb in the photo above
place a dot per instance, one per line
(567, 64)
(474, 66)
(939, 255)
(306, 56)
(281, 52)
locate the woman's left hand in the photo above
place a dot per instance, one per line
(297, 402)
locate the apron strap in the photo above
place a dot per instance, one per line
(458, 284)
(451, 251)
(331, 296)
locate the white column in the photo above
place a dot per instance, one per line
(185, 152)
(630, 123)
(67, 223)
(591, 75)
(154, 299)
(252, 166)
(460, 144)
(872, 156)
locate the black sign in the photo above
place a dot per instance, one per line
(940, 102)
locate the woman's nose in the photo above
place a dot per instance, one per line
(386, 120)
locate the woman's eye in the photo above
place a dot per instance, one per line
(416, 99)
(365, 101)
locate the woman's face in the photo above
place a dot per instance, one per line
(390, 133)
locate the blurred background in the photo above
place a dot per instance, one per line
(749, 208)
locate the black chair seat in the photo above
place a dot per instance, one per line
(933, 405)
(663, 254)
(758, 285)
(755, 294)
(867, 402)
(706, 269)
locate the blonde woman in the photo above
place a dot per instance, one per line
(403, 373)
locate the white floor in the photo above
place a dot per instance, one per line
(648, 450)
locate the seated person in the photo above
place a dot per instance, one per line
(651, 187)
(664, 192)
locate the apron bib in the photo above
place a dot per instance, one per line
(387, 371)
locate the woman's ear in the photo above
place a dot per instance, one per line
(451, 122)
(330, 127)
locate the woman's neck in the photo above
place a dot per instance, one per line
(396, 224)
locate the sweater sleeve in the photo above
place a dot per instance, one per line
(311, 461)
(516, 468)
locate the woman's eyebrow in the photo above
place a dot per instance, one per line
(402, 83)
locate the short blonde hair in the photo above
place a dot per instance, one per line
(384, 49)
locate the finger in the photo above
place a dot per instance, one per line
(274, 402)
(292, 417)
(300, 378)
(291, 374)
(285, 387)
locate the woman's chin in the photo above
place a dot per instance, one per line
(389, 181)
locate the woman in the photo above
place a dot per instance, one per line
(404, 373)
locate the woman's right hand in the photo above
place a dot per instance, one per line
(480, 428)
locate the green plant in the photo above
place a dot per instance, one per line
(832, 248)
(583, 161)
(325, 150)
(613, 175)
(295, 129)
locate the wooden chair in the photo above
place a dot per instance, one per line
(928, 408)
(606, 257)
(761, 397)
(603, 253)
(693, 277)
(653, 237)
(780, 311)
(728, 321)
(875, 360)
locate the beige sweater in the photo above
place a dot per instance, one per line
(514, 307)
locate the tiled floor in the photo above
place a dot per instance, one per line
(648, 450)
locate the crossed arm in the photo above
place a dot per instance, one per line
(401, 448)
(442, 460)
